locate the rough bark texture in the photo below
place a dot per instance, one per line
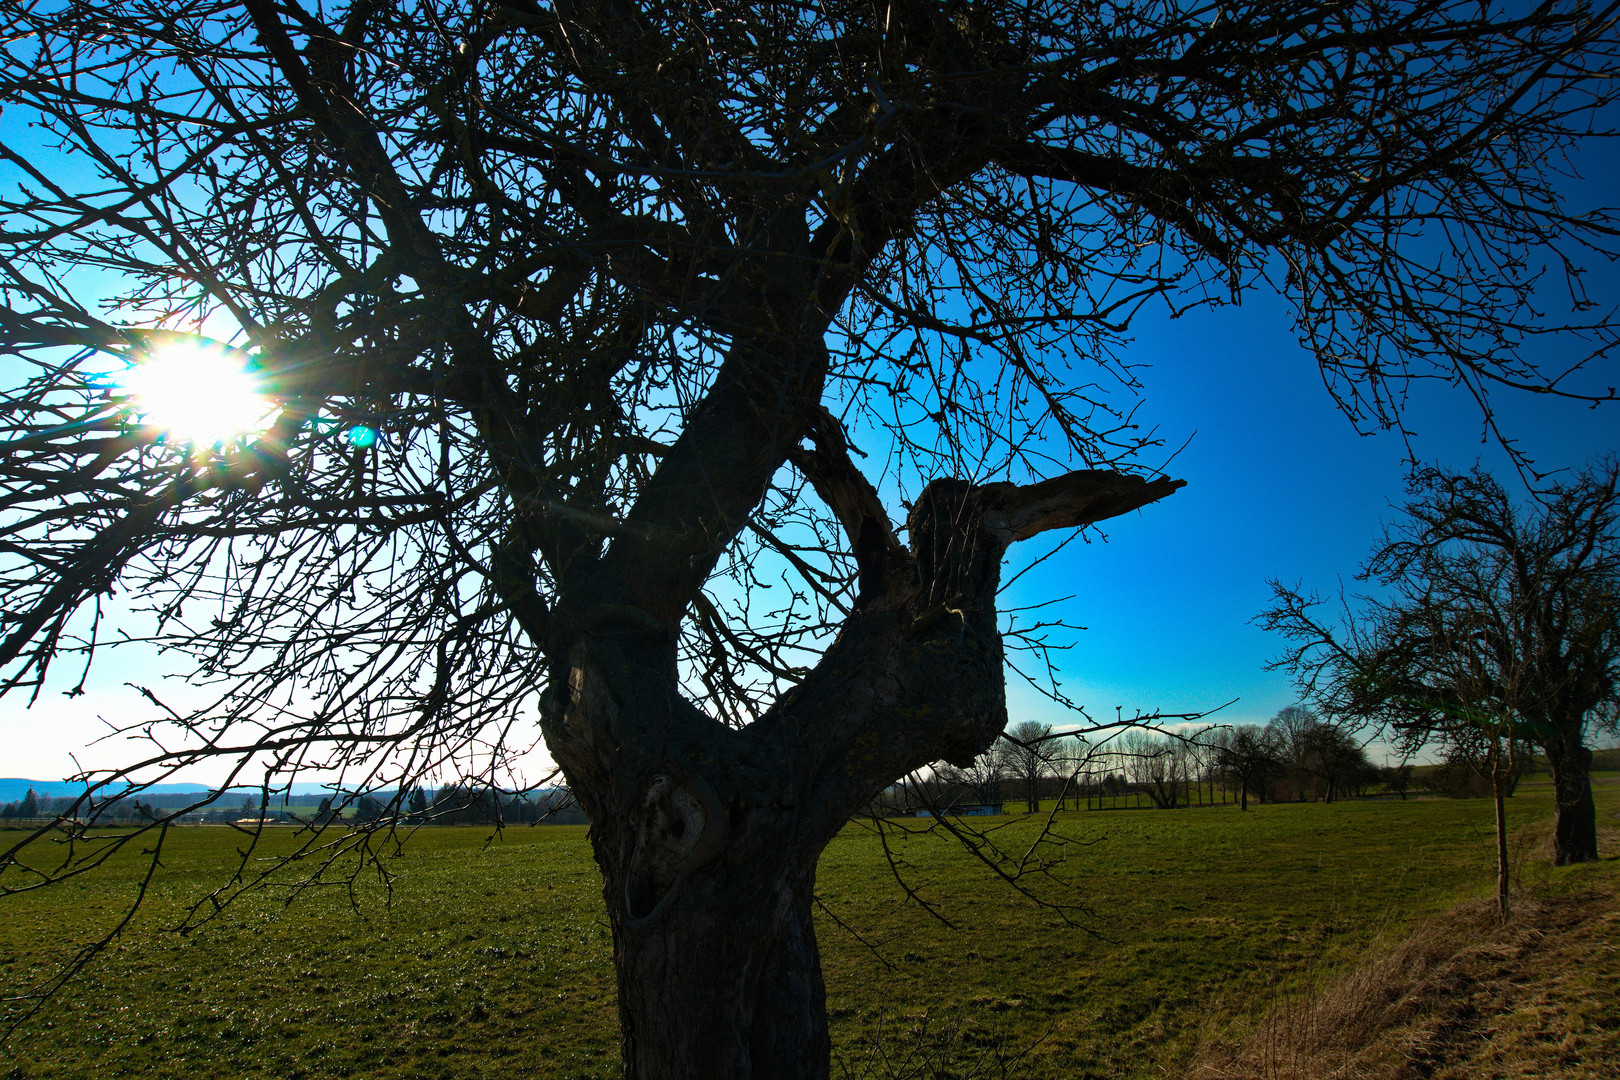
(1575, 830)
(708, 861)
(721, 976)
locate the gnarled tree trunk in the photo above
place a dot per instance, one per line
(707, 836)
(1575, 828)
(720, 976)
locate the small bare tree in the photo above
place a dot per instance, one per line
(1153, 766)
(1252, 757)
(1028, 757)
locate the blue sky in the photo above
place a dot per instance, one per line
(1279, 485)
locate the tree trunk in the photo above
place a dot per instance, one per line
(1575, 830)
(708, 868)
(722, 977)
(1499, 768)
(707, 836)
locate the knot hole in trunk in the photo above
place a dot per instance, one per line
(682, 826)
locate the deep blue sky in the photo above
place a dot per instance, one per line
(1279, 485)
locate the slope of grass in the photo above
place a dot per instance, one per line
(492, 958)
(1461, 998)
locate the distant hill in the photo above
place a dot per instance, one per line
(14, 788)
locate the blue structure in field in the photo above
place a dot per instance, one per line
(964, 810)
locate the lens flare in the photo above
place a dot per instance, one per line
(197, 393)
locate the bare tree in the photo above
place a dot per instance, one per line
(1083, 761)
(1253, 760)
(1027, 758)
(1334, 756)
(1154, 766)
(1501, 623)
(980, 781)
(1189, 753)
(578, 320)
(1290, 733)
(1397, 778)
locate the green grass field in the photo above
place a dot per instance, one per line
(491, 959)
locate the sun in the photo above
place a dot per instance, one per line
(197, 392)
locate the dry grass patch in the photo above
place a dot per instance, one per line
(1462, 998)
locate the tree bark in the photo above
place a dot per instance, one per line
(707, 836)
(707, 843)
(1575, 829)
(722, 977)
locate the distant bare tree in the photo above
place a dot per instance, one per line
(1028, 756)
(1154, 766)
(1397, 778)
(1252, 757)
(1501, 623)
(981, 777)
(1290, 732)
(1335, 758)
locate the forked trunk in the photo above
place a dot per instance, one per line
(707, 836)
(1575, 830)
(708, 852)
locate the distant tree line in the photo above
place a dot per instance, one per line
(1295, 757)
(182, 807)
(26, 807)
(459, 804)
(1298, 756)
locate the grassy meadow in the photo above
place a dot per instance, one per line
(490, 957)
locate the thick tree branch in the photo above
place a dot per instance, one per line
(1069, 501)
